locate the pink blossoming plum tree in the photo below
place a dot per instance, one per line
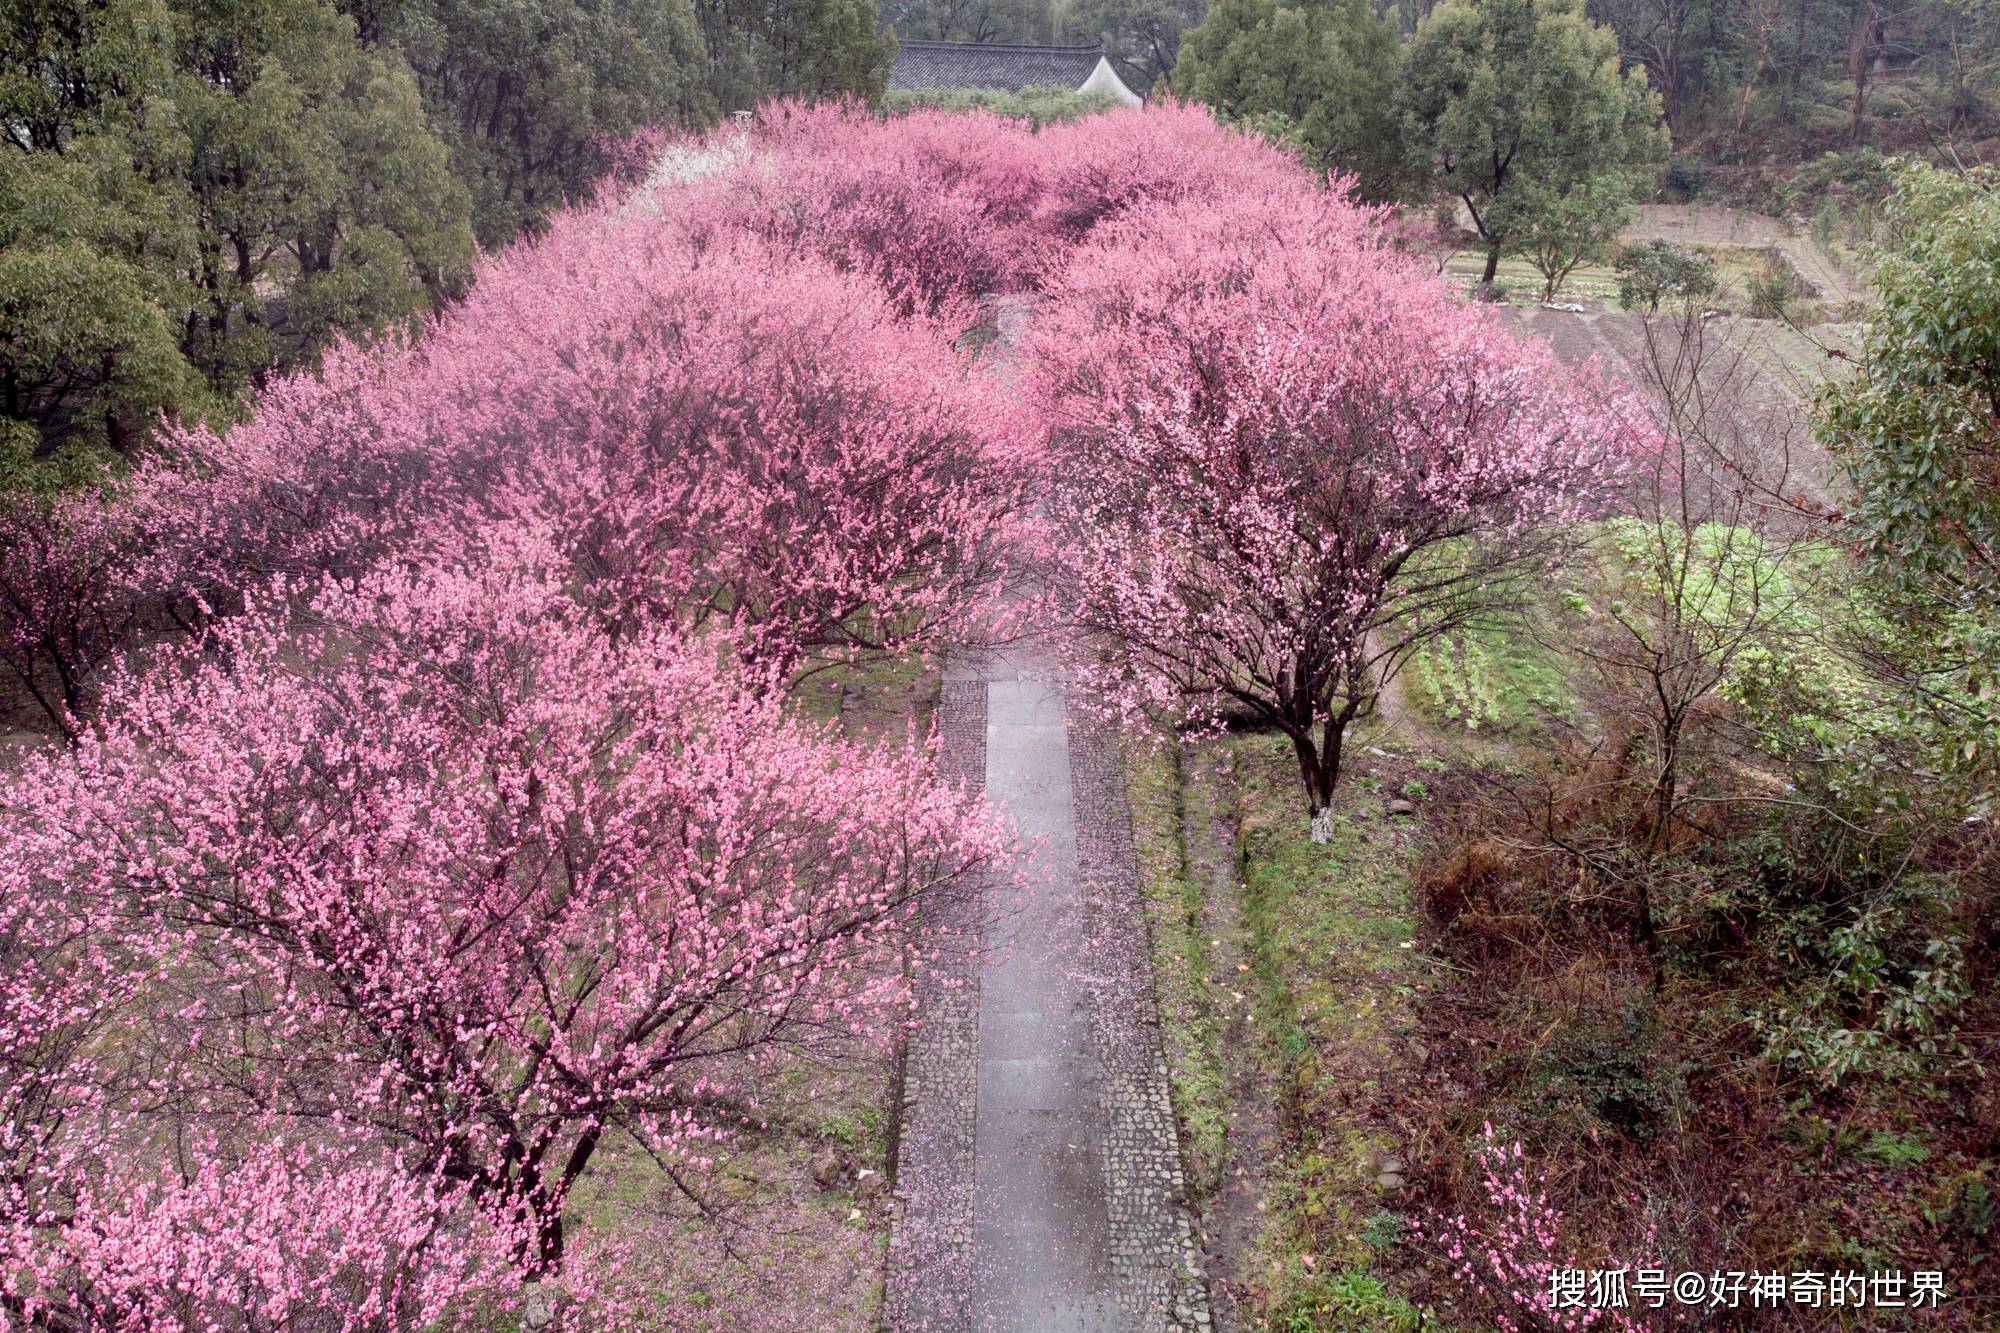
(1099, 168)
(1505, 1259)
(70, 600)
(738, 440)
(936, 207)
(470, 825)
(1285, 458)
(726, 439)
(441, 863)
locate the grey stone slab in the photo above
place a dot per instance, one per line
(1041, 1225)
(1038, 1176)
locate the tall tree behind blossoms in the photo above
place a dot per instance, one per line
(439, 864)
(1324, 74)
(529, 94)
(1521, 106)
(193, 195)
(1285, 458)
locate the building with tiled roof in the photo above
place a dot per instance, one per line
(949, 66)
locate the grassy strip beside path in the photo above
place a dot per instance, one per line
(1289, 984)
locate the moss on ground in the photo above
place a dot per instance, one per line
(1331, 981)
(1188, 1025)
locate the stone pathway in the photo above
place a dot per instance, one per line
(1039, 1173)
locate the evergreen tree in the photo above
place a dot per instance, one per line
(1507, 99)
(92, 262)
(323, 201)
(795, 48)
(192, 192)
(1322, 72)
(1021, 22)
(1142, 37)
(1919, 426)
(530, 93)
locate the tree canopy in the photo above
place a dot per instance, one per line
(529, 94)
(1321, 73)
(801, 48)
(1016, 21)
(192, 193)
(1917, 425)
(1507, 98)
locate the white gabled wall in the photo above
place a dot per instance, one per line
(1104, 79)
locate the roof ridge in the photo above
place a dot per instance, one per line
(998, 46)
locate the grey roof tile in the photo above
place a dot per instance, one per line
(935, 66)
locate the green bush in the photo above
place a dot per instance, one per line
(1683, 179)
(1774, 290)
(1350, 1300)
(1878, 989)
(1659, 271)
(1852, 176)
(1039, 106)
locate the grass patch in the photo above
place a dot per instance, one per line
(1351, 1299)
(1496, 678)
(876, 698)
(1189, 1029)
(1591, 284)
(1335, 979)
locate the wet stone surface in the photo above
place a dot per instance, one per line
(1039, 1172)
(930, 1247)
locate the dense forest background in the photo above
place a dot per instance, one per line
(197, 193)
(1740, 81)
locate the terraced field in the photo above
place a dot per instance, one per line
(1738, 240)
(1757, 381)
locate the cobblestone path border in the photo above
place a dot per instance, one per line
(930, 1248)
(1155, 1260)
(1155, 1257)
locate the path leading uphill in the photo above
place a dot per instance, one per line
(1038, 1172)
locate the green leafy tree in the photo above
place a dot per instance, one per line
(822, 48)
(1558, 231)
(1323, 73)
(794, 48)
(323, 202)
(1918, 426)
(1024, 22)
(1142, 38)
(193, 192)
(1658, 270)
(530, 93)
(86, 361)
(94, 253)
(71, 63)
(1505, 97)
